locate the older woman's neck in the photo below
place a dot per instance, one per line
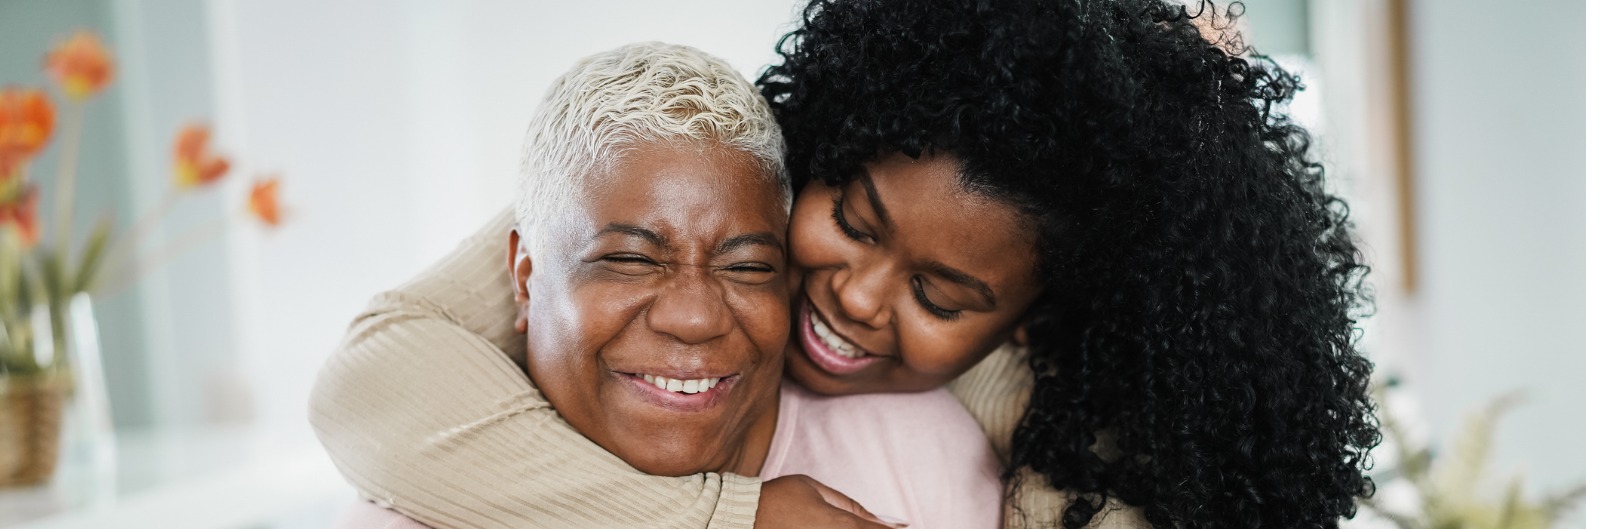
(752, 453)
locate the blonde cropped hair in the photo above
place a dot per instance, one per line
(640, 93)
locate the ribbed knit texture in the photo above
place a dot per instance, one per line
(425, 409)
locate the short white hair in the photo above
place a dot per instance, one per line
(646, 92)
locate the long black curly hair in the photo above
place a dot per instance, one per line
(1201, 282)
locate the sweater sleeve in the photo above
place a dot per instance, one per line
(424, 409)
(996, 393)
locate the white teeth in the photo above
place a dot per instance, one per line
(698, 385)
(834, 341)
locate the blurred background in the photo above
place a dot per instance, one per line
(393, 127)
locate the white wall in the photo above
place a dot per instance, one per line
(1496, 99)
(397, 126)
(1498, 94)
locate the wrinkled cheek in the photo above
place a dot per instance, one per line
(577, 320)
(765, 319)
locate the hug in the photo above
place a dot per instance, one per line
(1075, 242)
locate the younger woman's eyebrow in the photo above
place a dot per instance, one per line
(963, 279)
(877, 203)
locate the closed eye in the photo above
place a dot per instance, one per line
(844, 225)
(630, 264)
(627, 258)
(927, 304)
(751, 273)
(750, 267)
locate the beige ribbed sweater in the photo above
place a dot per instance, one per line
(424, 408)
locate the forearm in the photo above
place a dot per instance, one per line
(465, 441)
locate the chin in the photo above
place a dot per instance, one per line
(800, 370)
(664, 460)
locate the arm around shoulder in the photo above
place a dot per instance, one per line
(424, 413)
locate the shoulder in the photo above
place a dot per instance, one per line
(915, 456)
(893, 415)
(996, 392)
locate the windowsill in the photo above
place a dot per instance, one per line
(201, 478)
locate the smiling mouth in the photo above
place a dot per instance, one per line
(687, 387)
(838, 344)
(827, 349)
(689, 395)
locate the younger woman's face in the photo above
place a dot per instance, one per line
(907, 278)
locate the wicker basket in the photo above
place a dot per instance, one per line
(30, 429)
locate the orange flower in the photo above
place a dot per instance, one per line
(264, 201)
(26, 120)
(80, 65)
(193, 163)
(22, 216)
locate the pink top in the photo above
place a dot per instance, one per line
(368, 515)
(916, 457)
(912, 457)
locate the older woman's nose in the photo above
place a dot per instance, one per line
(691, 308)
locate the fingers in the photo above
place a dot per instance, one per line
(864, 517)
(894, 522)
(799, 501)
(856, 522)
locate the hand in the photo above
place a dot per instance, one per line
(799, 501)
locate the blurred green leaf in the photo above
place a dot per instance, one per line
(93, 251)
(1455, 489)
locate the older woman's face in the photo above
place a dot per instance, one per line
(657, 319)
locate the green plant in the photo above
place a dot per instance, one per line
(1455, 488)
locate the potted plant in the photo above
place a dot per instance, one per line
(1454, 489)
(44, 268)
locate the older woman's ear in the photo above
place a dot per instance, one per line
(520, 267)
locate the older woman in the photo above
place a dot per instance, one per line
(648, 273)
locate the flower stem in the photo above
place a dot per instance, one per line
(128, 242)
(159, 257)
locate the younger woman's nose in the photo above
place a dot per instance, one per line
(862, 293)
